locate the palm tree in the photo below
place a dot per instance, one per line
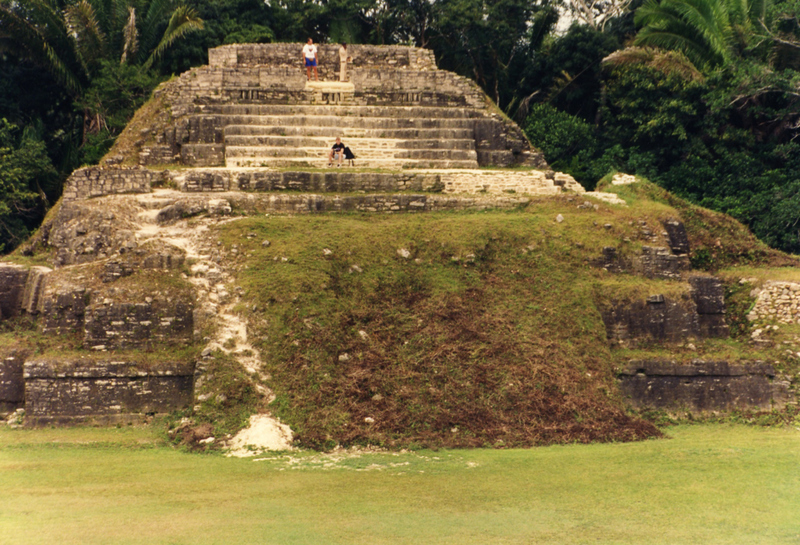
(666, 62)
(70, 38)
(709, 32)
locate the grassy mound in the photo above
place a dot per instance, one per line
(469, 329)
(460, 329)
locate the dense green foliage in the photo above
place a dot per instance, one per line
(715, 120)
(76, 71)
(725, 142)
(24, 170)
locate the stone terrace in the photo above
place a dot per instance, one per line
(252, 107)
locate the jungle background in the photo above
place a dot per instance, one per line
(699, 96)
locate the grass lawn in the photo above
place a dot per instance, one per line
(706, 484)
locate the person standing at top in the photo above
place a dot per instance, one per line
(310, 58)
(343, 58)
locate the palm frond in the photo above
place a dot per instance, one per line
(40, 36)
(82, 25)
(183, 21)
(157, 12)
(130, 36)
(698, 28)
(667, 62)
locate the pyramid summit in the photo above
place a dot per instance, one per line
(253, 106)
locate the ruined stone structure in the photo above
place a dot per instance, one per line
(130, 274)
(252, 106)
(778, 302)
(703, 386)
(697, 314)
(105, 392)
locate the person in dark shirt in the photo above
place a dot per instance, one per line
(337, 152)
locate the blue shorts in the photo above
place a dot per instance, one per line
(311, 62)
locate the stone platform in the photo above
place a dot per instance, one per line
(253, 107)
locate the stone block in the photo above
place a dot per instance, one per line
(98, 181)
(115, 325)
(708, 293)
(659, 319)
(12, 385)
(13, 279)
(655, 262)
(678, 238)
(63, 310)
(104, 391)
(34, 288)
(702, 386)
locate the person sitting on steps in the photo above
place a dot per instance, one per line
(337, 151)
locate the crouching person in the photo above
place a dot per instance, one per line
(337, 153)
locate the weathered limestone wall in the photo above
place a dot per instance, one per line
(703, 386)
(290, 55)
(103, 391)
(97, 181)
(108, 317)
(533, 182)
(198, 180)
(653, 262)
(151, 255)
(84, 231)
(778, 301)
(20, 289)
(668, 262)
(12, 386)
(64, 310)
(699, 313)
(12, 285)
(121, 324)
(310, 204)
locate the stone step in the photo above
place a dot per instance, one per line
(349, 132)
(336, 180)
(429, 112)
(327, 180)
(364, 154)
(350, 122)
(322, 162)
(354, 143)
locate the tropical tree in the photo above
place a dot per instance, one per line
(489, 40)
(709, 32)
(71, 38)
(25, 170)
(100, 51)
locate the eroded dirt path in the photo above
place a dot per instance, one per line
(217, 298)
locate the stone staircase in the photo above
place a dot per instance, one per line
(389, 137)
(252, 107)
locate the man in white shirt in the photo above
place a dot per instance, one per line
(310, 58)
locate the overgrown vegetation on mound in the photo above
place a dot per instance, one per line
(438, 330)
(717, 240)
(464, 329)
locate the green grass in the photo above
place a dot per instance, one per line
(486, 334)
(719, 484)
